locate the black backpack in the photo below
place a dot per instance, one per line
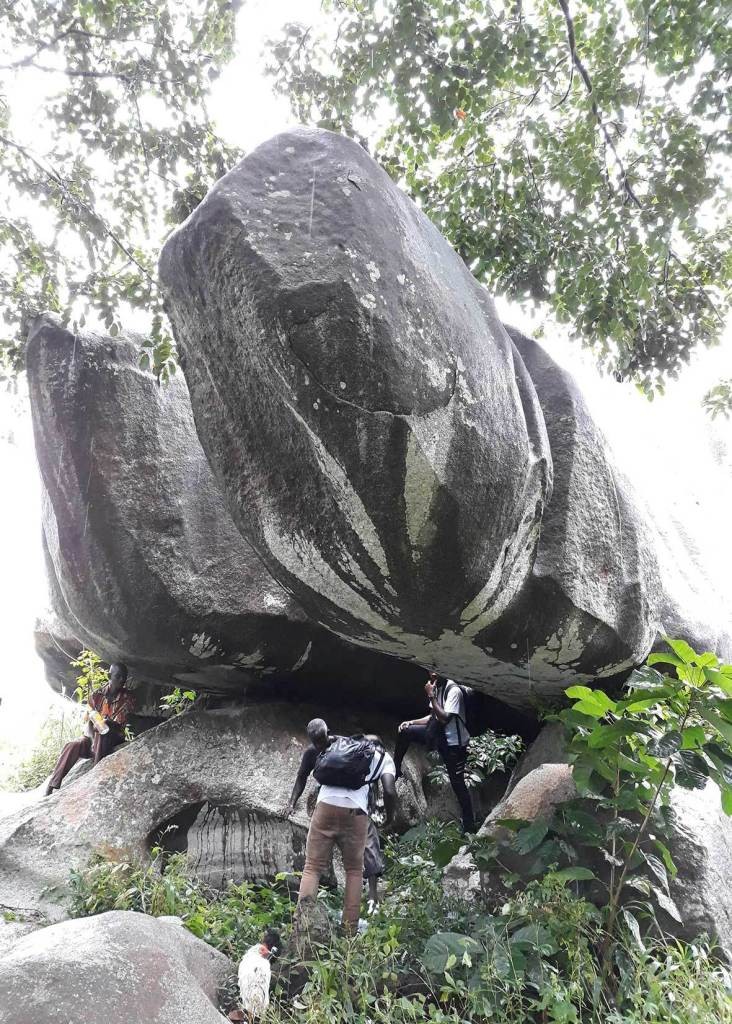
(346, 762)
(477, 709)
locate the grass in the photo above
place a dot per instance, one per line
(423, 957)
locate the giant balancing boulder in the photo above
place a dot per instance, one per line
(425, 482)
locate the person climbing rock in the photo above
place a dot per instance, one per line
(345, 767)
(444, 730)
(114, 703)
(374, 864)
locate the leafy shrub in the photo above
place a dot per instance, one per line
(56, 731)
(487, 754)
(177, 701)
(231, 920)
(547, 953)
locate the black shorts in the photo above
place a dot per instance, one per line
(373, 859)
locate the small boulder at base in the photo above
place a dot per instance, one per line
(121, 966)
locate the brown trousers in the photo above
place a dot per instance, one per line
(85, 747)
(345, 828)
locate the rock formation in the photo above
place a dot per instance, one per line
(144, 562)
(425, 483)
(222, 777)
(146, 970)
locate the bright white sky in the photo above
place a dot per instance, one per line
(661, 444)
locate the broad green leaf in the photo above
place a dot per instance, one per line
(726, 792)
(578, 692)
(534, 935)
(666, 903)
(445, 850)
(665, 745)
(692, 737)
(724, 682)
(595, 703)
(656, 867)
(683, 650)
(723, 727)
(691, 770)
(666, 857)
(574, 874)
(441, 946)
(530, 837)
(663, 658)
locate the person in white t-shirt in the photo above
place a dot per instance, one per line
(444, 730)
(341, 819)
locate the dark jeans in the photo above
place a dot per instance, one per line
(84, 747)
(453, 758)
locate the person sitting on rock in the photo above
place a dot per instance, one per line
(444, 730)
(345, 767)
(114, 702)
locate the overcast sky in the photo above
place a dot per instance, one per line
(663, 446)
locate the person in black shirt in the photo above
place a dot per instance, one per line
(318, 735)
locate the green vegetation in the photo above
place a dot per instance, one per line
(487, 754)
(92, 676)
(423, 956)
(126, 149)
(575, 153)
(668, 729)
(177, 701)
(60, 726)
(572, 931)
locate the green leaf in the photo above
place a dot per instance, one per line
(633, 928)
(692, 771)
(682, 650)
(666, 857)
(574, 874)
(666, 903)
(530, 837)
(693, 737)
(445, 850)
(662, 658)
(441, 946)
(597, 704)
(726, 792)
(723, 727)
(665, 745)
(534, 935)
(724, 682)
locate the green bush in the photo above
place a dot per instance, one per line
(56, 731)
(230, 920)
(487, 754)
(545, 953)
(426, 957)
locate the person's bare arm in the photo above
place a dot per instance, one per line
(437, 709)
(298, 788)
(414, 721)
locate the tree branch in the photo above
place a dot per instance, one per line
(59, 182)
(584, 75)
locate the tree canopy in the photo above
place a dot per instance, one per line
(574, 152)
(125, 150)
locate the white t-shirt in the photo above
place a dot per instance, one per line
(456, 733)
(358, 799)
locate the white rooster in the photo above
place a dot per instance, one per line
(255, 973)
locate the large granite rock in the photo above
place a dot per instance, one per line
(120, 966)
(144, 562)
(234, 767)
(700, 841)
(390, 449)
